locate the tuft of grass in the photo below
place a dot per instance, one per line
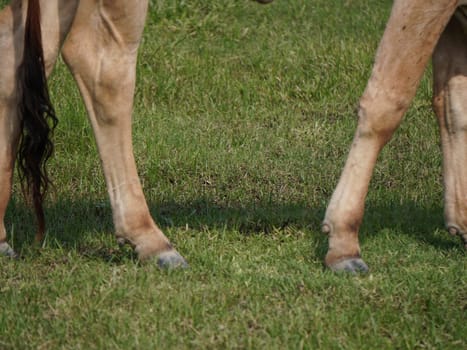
(243, 118)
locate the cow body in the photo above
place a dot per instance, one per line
(416, 30)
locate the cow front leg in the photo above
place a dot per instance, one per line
(408, 41)
(101, 52)
(450, 105)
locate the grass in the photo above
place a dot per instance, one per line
(243, 118)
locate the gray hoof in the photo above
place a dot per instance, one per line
(7, 251)
(351, 265)
(455, 231)
(171, 260)
(121, 242)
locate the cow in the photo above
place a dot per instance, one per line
(98, 40)
(415, 31)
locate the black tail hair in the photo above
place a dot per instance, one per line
(35, 112)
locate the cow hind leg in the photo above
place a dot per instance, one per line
(102, 59)
(9, 135)
(12, 18)
(450, 105)
(408, 41)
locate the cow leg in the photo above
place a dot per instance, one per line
(408, 41)
(450, 105)
(101, 52)
(9, 134)
(59, 15)
(10, 28)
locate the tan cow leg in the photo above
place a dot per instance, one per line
(450, 105)
(101, 51)
(408, 41)
(9, 133)
(10, 19)
(11, 49)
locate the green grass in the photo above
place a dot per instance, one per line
(243, 118)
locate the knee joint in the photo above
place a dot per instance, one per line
(379, 117)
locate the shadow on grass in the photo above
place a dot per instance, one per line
(70, 223)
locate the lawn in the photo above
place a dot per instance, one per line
(243, 118)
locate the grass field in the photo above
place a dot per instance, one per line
(244, 115)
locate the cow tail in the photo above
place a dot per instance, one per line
(37, 118)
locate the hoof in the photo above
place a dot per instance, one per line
(7, 251)
(167, 260)
(171, 260)
(454, 231)
(121, 242)
(351, 265)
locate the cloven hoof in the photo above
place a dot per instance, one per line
(350, 265)
(171, 260)
(7, 251)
